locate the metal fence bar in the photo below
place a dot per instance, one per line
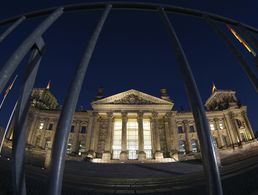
(64, 123)
(19, 133)
(248, 35)
(129, 6)
(252, 77)
(251, 38)
(203, 130)
(13, 62)
(11, 28)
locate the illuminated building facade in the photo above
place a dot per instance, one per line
(136, 126)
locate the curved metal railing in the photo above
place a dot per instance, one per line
(34, 43)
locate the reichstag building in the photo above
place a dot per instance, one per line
(136, 126)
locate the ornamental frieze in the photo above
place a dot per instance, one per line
(132, 99)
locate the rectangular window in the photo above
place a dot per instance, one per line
(147, 138)
(72, 128)
(192, 129)
(83, 129)
(50, 126)
(180, 129)
(117, 138)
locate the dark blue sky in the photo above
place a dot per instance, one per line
(134, 52)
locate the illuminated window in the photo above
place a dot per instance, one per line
(132, 138)
(194, 144)
(147, 138)
(117, 136)
(82, 148)
(41, 125)
(69, 147)
(212, 127)
(181, 148)
(221, 125)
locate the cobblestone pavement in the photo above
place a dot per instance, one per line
(239, 177)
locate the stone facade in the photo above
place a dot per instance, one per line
(136, 126)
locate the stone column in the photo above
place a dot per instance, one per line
(32, 137)
(248, 126)
(187, 141)
(174, 136)
(107, 150)
(31, 128)
(124, 154)
(228, 132)
(42, 140)
(234, 122)
(158, 153)
(231, 128)
(217, 127)
(75, 146)
(91, 138)
(141, 154)
(167, 132)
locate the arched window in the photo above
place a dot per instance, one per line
(194, 144)
(225, 140)
(181, 148)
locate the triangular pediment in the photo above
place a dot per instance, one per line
(132, 97)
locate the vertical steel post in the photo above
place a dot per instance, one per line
(13, 62)
(203, 130)
(19, 133)
(11, 28)
(245, 66)
(64, 123)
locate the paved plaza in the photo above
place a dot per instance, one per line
(238, 177)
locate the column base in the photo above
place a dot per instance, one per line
(174, 155)
(123, 155)
(47, 158)
(106, 156)
(91, 154)
(158, 155)
(141, 155)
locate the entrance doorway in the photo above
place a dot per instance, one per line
(132, 138)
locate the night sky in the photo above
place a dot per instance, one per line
(134, 52)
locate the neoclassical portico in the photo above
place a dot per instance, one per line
(138, 114)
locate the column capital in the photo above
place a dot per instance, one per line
(168, 114)
(94, 114)
(109, 114)
(124, 116)
(185, 122)
(140, 115)
(154, 115)
(216, 120)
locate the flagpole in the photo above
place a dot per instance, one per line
(7, 127)
(7, 91)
